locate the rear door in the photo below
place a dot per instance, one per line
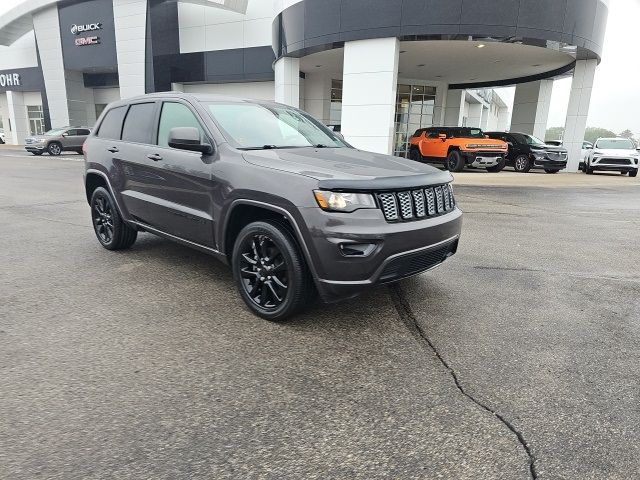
(71, 140)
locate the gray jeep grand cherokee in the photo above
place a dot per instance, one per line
(269, 190)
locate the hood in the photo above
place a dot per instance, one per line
(616, 152)
(349, 168)
(549, 148)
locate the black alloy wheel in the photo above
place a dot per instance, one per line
(54, 148)
(633, 173)
(551, 170)
(499, 167)
(270, 272)
(112, 232)
(455, 161)
(415, 155)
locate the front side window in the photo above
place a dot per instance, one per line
(528, 139)
(175, 115)
(56, 132)
(255, 126)
(615, 144)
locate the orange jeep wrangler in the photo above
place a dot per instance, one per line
(456, 147)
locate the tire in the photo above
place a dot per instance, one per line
(54, 148)
(455, 162)
(499, 167)
(522, 164)
(111, 231)
(551, 170)
(634, 173)
(37, 154)
(588, 170)
(270, 272)
(415, 155)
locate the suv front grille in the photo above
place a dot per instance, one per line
(614, 161)
(412, 263)
(416, 204)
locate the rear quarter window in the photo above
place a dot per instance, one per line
(111, 126)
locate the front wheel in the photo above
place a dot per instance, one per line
(455, 161)
(415, 155)
(54, 148)
(112, 232)
(37, 154)
(633, 173)
(497, 168)
(551, 170)
(270, 272)
(522, 164)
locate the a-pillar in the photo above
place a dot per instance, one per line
(531, 108)
(287, 81)
(454, 108)
(369, 86)
(578, 110)
(18, 117)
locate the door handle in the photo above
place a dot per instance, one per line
(113, 150)
(155, 157)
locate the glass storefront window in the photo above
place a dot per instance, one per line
(36, 119)
(335, 114)
(414, 110)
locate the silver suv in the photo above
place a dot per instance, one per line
(58, 140)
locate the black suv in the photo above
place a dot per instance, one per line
(527, 152)
(270, 191)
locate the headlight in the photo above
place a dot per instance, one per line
(40, 140)
(343, 202)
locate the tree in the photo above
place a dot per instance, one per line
(591, 134)
(554, 133)
(626, 134)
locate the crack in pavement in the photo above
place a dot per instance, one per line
(407, 317)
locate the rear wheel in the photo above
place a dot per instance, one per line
(498, 167)
(37, 153)
(270, 272)
(522, 164)
(455, 162)
(54, 148)
(551, 170)
(633, 173)
(414, 154)
(112, 232)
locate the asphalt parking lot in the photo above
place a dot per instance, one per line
(516, 359)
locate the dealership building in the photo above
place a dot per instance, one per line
(378, 68)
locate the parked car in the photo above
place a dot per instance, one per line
(269, 190)
(527, 152)
(58, 140)
(456, 147)
(2, 137)
(613, 154)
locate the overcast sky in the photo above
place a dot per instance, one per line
(615, 103)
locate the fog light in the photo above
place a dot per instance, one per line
(357, 249)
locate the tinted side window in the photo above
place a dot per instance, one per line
(111, 126)
(175, 115)
(83, 131)
(138, 124)
(72, 132)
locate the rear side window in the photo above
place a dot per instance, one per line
(83, 131)
(175, 115)
(72, 133)
(111, 126)
(138, 124)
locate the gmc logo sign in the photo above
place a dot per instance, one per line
(89, 27)
(82, 41)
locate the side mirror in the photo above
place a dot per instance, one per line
(188, 138)
(486, 136)
(442, 136)
(65, 134)
(340, 136)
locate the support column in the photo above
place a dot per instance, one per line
(76, 98)
(474, 118)
(454, 108)
(369, 86)
(484, 120)
(47, 29)
(18, 117)
(579, 101)
(317, 96)
(440, 105)
(130, 18)
(287, 80)
(531, 105)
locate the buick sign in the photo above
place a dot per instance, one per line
(89, 27)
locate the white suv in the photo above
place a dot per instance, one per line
(2, 140)
(613, 154)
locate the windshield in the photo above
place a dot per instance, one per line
(467, 133)
(55, 132)
(528, 139)
(251, 126)
(616, 144)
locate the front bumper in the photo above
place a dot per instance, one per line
(550, 164)
(614, 168)
(482, 159)
(399, 250)
(34, 148)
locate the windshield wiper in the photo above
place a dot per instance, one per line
(320, 145)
